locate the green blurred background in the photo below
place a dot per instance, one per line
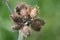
(49, 12)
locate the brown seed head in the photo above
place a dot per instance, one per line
(34, 12)
(26, 31)
(36, 24)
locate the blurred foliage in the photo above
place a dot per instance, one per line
(49, 12)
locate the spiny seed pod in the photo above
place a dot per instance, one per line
(20, 6)
(23, 7)
(34, 12)
(16, 27)
(16, 18)
(26, 31)
(36, 24)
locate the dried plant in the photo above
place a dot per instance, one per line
(24, 16)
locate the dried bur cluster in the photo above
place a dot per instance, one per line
(25, 16)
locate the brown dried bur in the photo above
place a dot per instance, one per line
(18, 21)
(26, 31)
(36, 24)
(16, 27)
(21, 7)
(16, 18)
(34, 12)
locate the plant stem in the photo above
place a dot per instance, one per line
(8, 6)
(20, 36)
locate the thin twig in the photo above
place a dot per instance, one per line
(9, 7)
